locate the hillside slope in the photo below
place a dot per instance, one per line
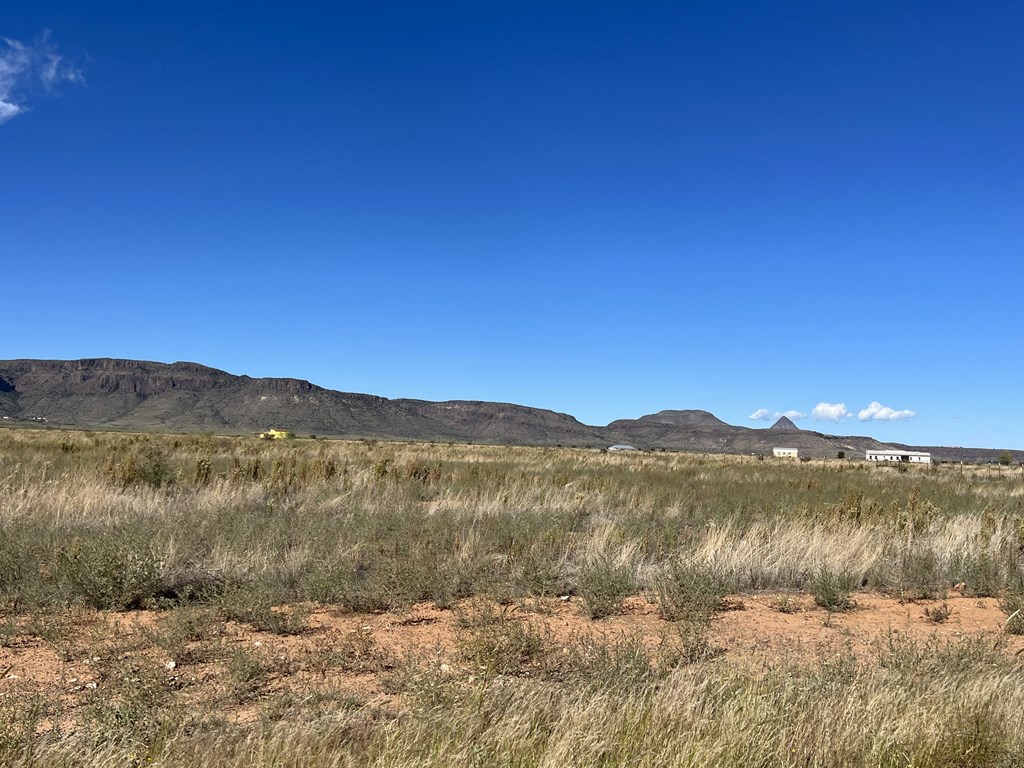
(189, 397)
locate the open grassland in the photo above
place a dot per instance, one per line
(185, 600)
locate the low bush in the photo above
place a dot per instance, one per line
(689, 591)
(111, 571)
(832, 589)
(604, 583)
(1012, 604)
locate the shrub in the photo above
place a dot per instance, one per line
(1012, 604)
(832, 588)
(604, 584)
(938, 614)
(107, 572)
(980, 573)
(505, 647)
(920, 576)
(253, 604)
(689, 591)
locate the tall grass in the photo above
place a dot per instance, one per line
(219, 531)
(370, 524)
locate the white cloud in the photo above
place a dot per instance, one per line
(765, 414)
(24, 69)
(878, 412)
(8, 110)
(834, 412)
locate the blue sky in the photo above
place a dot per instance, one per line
(603, 208)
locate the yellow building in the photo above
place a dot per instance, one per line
(276, 434)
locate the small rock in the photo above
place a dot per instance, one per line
(170, 665)
(92, 686)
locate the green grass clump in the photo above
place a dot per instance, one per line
(832, 590)
(604, 583)
(689, 591)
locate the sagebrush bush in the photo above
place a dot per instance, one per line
(108, 571)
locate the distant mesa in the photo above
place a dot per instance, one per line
(685, 419)
(191, 397)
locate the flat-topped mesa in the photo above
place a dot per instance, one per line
(691, 418)
(189, 397)
(671, 419)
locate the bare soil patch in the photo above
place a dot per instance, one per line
(344, 659)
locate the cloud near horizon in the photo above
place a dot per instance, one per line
(878, 412)
(27, 68)
(765, 414)
(834, 412)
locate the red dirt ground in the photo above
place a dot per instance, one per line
(355, 655)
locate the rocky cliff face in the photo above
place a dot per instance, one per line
(137, 394)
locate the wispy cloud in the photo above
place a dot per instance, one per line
(28, 69)
(878, 412)
(765, 414)
(834, 412)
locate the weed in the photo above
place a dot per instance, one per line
(787, 604)
(604, 584)
(505, 647)
(921, 575)
(938, 614)
(8, 630)
(249, 675)
(108, 571)
(832, 588)
(183, 632)
(1012, 604)
(692, 591)
(356, 653)
(979, 572)
(254, 605)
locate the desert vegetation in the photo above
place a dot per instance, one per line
(182, 600)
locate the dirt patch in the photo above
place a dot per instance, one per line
(85, 660)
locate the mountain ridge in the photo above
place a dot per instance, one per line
(187, 396)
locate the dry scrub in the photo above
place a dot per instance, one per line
(215, 541)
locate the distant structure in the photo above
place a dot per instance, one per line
(896, 454)
(276, 434)
(621, 447)
(786, 453)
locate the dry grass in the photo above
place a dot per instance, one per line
(229, 535)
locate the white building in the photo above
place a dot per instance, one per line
(897, 454)
(785, 453)
(621, 447)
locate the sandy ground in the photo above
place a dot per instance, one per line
(349, 655)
